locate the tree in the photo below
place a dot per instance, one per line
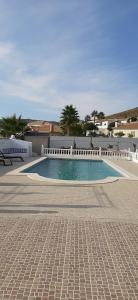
(100, 115)
(69, 118)
(12, 126)
(76, 130)
(132, 119)
(94, 113)
(110, 127)
(87, 118)
(90, 127)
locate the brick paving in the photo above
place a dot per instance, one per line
(57, 258)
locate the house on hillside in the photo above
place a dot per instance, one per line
(52, 128)
(39, 134)
(129, 130)
(105, 123)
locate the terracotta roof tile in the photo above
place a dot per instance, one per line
(128, 126)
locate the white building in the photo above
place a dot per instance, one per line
(104, 124)
(129, 129)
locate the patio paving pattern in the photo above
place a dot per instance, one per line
(53, 258)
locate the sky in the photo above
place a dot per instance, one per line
(57, 52)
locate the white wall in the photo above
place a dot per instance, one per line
(126, 132)
(104, 124)
(37, 142)
(16, 147)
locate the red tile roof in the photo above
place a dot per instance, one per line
(43, 126)
(131, 126)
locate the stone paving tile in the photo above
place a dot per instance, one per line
(110, 201)
(55, 258)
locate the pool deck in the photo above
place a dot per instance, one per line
(68, 242)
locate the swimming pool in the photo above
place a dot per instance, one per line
(71, 169)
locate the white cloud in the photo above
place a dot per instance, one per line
(98, 89)
(6, 49)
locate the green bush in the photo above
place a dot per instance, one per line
(119, 134)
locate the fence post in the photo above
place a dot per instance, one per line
(129, 155)
(100, 151)
(42, 150)
(71, 150)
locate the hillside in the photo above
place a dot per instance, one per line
(125, 114)
(36, 120)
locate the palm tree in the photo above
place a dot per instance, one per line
(94, 114)
(69, 117)
(87, 118)
(100, 115)
(12, 126)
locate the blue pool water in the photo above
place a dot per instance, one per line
(67, 169)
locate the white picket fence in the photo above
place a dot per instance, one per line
(133, 156)
(84, 154)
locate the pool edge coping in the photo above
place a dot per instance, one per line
(37, 177)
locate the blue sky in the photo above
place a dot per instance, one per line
(58, 52)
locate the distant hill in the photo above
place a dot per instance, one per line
(34, 120)
(125, 114)
(29, 120)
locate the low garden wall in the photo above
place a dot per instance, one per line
(85, 142)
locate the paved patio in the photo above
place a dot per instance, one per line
(68, 242)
